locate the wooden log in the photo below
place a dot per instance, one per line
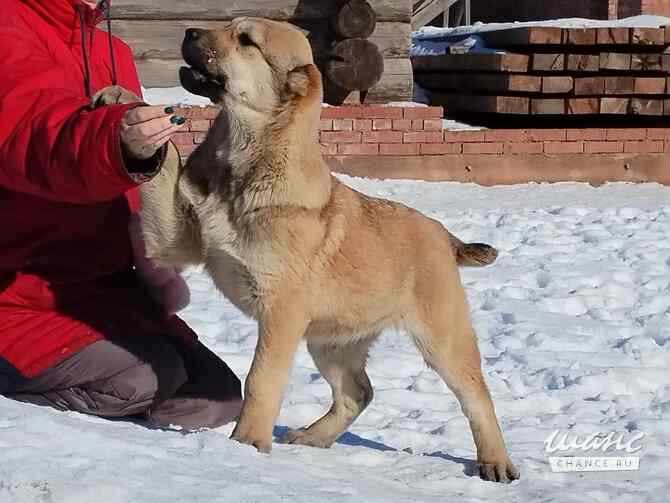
(547, 107)
(665, 63)
(619, 85)
(583, 106)
(613, 36)
(648, 36)
(667, 34)
(355, 19)
(666, 107)
(282, 10)
(583, 63)
(396, 84)
(534, 35)
(615, 61)
(644, 106)
(548, 62)
(355, 64)
(486, 82)
(650, 85)
(506, 62)
(557, 85)
(460, 102)
(646, 62)
(580, 36)
(614, 106)
(590, 86)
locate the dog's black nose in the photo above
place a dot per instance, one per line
(193, 34)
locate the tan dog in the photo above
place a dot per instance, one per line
(305, 255)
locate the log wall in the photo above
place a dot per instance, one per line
(155, 31)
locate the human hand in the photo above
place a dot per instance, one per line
(146, 129)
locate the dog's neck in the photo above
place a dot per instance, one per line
(255, 160)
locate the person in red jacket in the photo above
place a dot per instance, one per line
(86, 322)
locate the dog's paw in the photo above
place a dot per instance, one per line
(304, 437)
(502, 471)
(114, 95)
(260, 442)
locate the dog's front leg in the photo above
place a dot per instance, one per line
(280, 329)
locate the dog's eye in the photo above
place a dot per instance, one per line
(245, 40)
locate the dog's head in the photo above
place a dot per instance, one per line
(255, 62)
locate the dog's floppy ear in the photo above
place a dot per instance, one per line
(303, 80)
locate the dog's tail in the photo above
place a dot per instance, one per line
(472, 254)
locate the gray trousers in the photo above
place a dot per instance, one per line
(150, 377)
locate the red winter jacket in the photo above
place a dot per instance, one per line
(66, 276)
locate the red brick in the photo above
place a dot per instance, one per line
(506, 135)
(524, 148)
(402, 124)
(626, 134)
(589, 134)
(464, 136)
(199, 137)
(441, 148)
(667, 146)
(658, 134)
(183, 138)
(341, 137)
(358, 149)
(199, 125)
(432, 125)
(563, 147)
(362, 124)
(343, 125)
(382, 136)
(326, 125)
(424, 137)
(603, 147)
(644, 147)
(330, 149)
(483, 148)
(381, 112)
(382, 124)
(198, 113)
(399, 149)
(417, 125)
(341, 113)
(423, 112)
(548, 134)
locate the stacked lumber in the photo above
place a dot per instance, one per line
(381, 30)
(555, 71)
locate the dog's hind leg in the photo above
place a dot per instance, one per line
(446, 339)
(343, 366)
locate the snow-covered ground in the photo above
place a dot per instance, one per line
(574, 328)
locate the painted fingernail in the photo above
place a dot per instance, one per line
(177, 119)
(169, 110)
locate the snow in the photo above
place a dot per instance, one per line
(173, 96)
(432, 40)
(574, 328)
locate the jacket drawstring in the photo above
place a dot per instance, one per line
(104, 7)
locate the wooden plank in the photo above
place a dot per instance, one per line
(614, 106)
(580, 36)
(548, 62)
(583, 106)
(619, 85)
(534, 35)
(648, 36)
(644, 106)
(162, 39)
(386, 10)
(507, 62)
(557, 85)
(590, 86)
(665, 62)
(646, 62)
(650, 85)
(613, 36)
(615, 61)
(487, 82)
(547, 107)
(459, 102)
(667, 34)
(428, 10)
(666, 107)
(583, 63)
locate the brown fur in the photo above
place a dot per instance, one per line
(304, 254)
